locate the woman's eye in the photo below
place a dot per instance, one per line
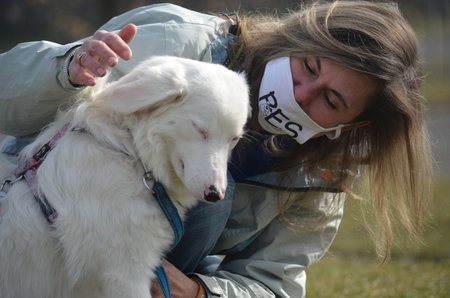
(308, 67)
(330, 102)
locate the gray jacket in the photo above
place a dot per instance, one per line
(266, 255)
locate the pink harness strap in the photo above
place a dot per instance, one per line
(27, 168)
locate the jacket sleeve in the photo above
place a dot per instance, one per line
(274, 262)
(32, 88)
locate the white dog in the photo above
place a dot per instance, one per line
(174, 117)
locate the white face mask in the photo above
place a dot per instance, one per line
(279, 112)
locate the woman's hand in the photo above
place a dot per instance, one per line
(99, 52)
(180, 285)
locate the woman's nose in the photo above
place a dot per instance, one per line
(306, 92)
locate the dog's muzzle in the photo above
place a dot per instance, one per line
(213, 195)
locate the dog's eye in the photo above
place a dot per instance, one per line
(203, 132)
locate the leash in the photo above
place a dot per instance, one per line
(166, 205)
(171, 213)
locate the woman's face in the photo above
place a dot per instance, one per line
(330, 93)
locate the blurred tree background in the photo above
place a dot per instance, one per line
(66, 21)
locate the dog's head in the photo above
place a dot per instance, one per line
(185, 117)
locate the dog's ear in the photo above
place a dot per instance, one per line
(153, 84)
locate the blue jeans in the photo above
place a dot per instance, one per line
(202, 228)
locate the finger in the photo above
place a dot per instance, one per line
(80, 75)
(99, 53)
(128, 32)
(90, 63)
(91, 60)
(155, 289)
(115, 42)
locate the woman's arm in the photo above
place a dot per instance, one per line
(272, 262)
(40, 76)
(31, 89)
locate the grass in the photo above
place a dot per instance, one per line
(338, 277)
(351, 270)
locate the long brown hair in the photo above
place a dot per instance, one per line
(375, 39)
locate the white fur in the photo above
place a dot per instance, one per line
(178, 117)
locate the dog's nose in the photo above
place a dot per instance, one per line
(212, 194)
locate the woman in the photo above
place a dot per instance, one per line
(336, 96)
